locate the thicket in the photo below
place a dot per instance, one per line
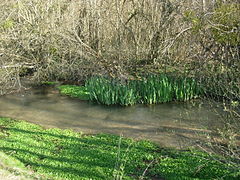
(73, 40)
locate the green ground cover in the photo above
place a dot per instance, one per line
(64, 154)
(75, 91)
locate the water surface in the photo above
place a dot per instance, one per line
(170, 124)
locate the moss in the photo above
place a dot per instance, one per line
(7, 24)
(75, 91)
(226, 18)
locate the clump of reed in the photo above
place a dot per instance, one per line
(109, 91)
(152, 89)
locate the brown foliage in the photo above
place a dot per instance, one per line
(72, 40)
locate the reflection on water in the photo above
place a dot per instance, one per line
(170, 124)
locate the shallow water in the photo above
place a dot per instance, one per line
(170, 124)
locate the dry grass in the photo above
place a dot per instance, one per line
(71, 40)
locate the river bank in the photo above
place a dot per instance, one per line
(69, 155)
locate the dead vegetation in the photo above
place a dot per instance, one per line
(71, 40)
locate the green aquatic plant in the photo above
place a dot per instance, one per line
(74, 91)
(109, 91)
(126, 95)
(186, 89)
(152, 89)
(101, 90)
(155, 89)
(149, 90)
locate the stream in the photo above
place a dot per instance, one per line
(175, 124)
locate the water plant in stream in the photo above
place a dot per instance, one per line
(149, 90)
(186, 89)
(107, 91)
(154, 89)
(74, 91)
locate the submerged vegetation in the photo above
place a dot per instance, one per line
(80, 92)
(64, 154)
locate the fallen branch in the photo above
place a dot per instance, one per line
(23, 65)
